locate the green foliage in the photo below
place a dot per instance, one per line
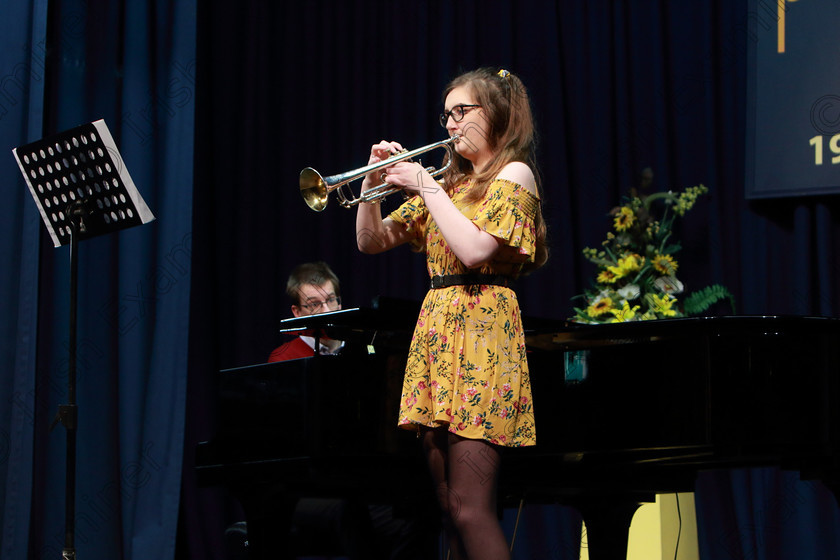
(701, 300)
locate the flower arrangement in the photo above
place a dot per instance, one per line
(637, 270)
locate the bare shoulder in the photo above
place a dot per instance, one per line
(521, 173)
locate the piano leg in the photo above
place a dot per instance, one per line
(607, 525)
(269, 518)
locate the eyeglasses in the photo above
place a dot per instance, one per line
(332, 304)
(457, 113)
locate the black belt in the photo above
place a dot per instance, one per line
(470, 280)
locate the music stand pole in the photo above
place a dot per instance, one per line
(68, 413)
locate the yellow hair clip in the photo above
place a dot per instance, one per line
(503, 73)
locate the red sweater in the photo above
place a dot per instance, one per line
(292, 350)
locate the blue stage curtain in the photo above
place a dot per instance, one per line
(22, 40)
(131, 63)
(765, 514)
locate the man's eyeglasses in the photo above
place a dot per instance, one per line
(457, 113)
(331, 303)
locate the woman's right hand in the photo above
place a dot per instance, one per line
(379, 152)
(375, 234)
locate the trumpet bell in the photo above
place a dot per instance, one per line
(313, 189)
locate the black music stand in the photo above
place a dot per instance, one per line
(82, 189)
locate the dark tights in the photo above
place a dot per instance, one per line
(465, 473)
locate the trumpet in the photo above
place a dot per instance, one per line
(315, 189)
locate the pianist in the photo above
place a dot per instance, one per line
(313, 288)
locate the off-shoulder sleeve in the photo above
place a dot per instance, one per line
(413, 216)
(509, 212)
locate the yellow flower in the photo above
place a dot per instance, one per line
(663, 304)
(688, 198)
(626, 265)
(665, 264)
(599, 307)
(648, 316)
(624, 219)
(626, 313)
(606, 277)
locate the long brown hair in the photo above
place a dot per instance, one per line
(511, 134)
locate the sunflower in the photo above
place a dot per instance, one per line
(664, 264)
(606, 277)
(599, 307)
(624, 219)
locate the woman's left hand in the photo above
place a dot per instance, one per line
(411, 177)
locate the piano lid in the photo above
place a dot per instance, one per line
(574, 334)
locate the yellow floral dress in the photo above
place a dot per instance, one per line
(467, 367)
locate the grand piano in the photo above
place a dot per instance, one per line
(623, 412)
